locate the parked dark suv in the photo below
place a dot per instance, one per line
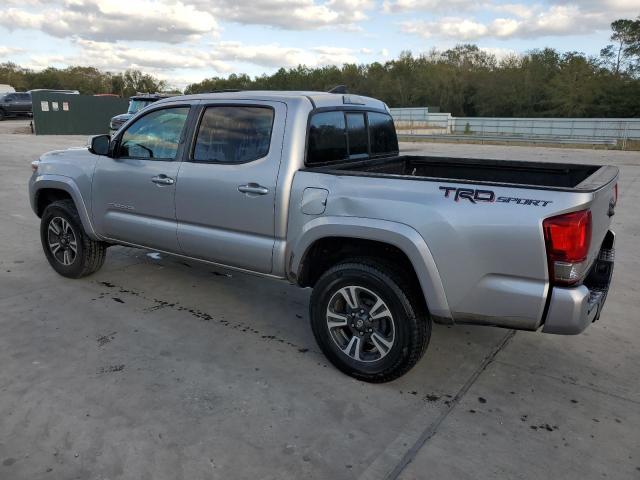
(136, 103)
(14, 104)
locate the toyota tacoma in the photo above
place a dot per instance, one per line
(311, 188)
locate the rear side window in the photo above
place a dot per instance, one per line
(382, 134)
(327, 137)
(233, 134)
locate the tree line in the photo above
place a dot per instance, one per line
(464, 80)
(87, 80)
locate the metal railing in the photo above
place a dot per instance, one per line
(552, 130)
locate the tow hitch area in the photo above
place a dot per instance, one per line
(599, 277)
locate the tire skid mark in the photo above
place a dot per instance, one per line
(199, 314)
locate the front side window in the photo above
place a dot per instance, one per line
(155, 136)
(327, 137)
(233, 134)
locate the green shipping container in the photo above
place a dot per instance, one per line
(67, 114)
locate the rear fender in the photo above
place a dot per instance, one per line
(399, 235)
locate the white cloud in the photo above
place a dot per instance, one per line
(396, 6)
(218, 58)
(105, 20)
(175, 21)
(517, 9)
(290, 14)
(448, 27)
(556, 21)
(6, 51)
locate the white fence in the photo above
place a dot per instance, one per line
(421, 122)
(410, 114)
(618, 128)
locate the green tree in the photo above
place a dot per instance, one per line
(624, 55)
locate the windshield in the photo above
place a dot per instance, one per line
(136, 105)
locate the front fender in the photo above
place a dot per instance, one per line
(399, 235)
(60, 182)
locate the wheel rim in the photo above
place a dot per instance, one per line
(360, 323)
(62, 241)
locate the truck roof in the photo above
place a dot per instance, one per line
(317, 99)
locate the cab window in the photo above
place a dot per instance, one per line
(233, 134)
(327, 137)
(349, 135)
(357, 133)
(382, 134)
(156, 136)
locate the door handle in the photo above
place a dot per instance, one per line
(253, 188)
(162, 179)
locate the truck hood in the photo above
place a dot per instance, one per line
(77, 162)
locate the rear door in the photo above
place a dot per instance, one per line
(225, 196)
(134, 192)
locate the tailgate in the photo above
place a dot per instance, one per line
(605, 180)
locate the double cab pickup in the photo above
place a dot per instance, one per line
(311, 188)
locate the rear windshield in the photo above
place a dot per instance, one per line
(343, 135)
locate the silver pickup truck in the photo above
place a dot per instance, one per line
(311, 188)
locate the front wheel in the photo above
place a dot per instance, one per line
(367, 321)
(67, 247)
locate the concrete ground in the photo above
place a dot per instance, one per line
(155, 368)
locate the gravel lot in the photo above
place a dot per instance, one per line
(155, 368)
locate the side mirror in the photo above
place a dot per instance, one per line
(99, 145)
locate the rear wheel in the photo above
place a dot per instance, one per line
(3, 115)
(67, 247)
(368, 322)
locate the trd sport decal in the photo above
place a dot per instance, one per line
(476, 196)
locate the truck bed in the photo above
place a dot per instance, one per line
(559, 176)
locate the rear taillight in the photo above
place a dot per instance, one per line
(568, 238)
(615, 194)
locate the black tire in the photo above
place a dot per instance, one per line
(408, 313)
(3, 115)
(89, 254)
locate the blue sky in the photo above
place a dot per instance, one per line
(183, 41)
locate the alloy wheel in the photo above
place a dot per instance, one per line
(62, 241)
(360, 323)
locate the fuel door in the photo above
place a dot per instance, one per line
(314, 201)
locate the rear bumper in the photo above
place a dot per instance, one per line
(571, 310)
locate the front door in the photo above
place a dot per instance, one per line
(134, 192)
(225, 196)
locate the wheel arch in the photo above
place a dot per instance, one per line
(47, 189)
(327, 240)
